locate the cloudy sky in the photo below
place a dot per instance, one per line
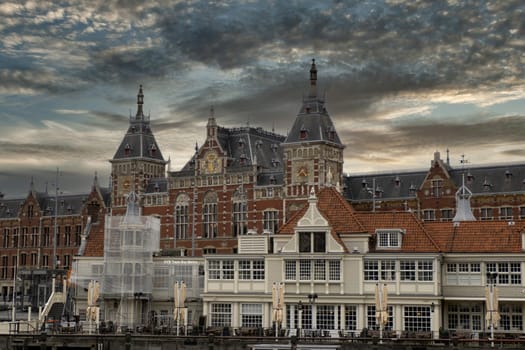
(402, 79)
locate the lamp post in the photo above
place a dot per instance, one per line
(311, 299)
(491, 309)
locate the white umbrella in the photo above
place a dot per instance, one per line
(381, 301)
(280, 304)
(275, 302)
(491, 300)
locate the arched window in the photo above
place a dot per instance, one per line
(209, 218)
(240, 212)
(182, 204)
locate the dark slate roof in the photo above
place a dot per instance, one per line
(9, 208)
(317, 124)
(500, 178)
(313, 124)
(245, 147)
(139, 141)
(390, 185)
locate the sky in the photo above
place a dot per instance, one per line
(402, 79)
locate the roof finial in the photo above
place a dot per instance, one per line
(448, 156)
(32, 186)
(95, 181)
(140, 102)
(313, 79)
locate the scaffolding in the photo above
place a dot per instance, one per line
(130, 241)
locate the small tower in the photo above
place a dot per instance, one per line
(313, 152)
(138, 158)
(463, 209)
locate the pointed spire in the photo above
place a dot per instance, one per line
(32, 186)
(95, 182)
(140, 103)
(313, 79)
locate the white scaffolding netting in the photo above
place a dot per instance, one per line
(129, 245)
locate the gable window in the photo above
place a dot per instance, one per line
(312, 242)
(389, 238)
(436, 188)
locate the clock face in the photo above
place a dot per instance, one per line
(211, 163)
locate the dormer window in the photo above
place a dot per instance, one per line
(364, 184)
(389, 238)
(508, 175)
(272, 180)
(331, 133)
(312, 242)
(412, 190)
(241, 142)
(275, 162)
(397, 181)
(487, 186)
(152, 149)
(470, 177)
(303, 133)
(127, 149)
(242, 159)
(274, 147)
(258, 144)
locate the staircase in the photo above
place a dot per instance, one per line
(56, 312)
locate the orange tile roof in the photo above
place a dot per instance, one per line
(95, 241)
(416, 238)
(477, 236)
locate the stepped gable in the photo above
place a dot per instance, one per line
(416, 238)
(139, 141)
(335, 209)
(478, 236)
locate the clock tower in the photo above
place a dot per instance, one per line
(138, 158)
(313, 152)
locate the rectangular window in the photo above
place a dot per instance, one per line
(511, 317)
(251, 270)
(78, 235)
(468, 274)
(161, 278)
(305, 270)
(522, 212)
(67, 262)
(351, 317)
(181, 220)
(34, 259)
(464, 316)
(271, 221)
(290, 270)
(240, 216)
(372, 320)
(505, 213)
(251, 315)
(425, 270)
(485, 214)
(447, 214)
(429, 215)
(5, 240)
(319, 270)
(408, 270)
(371, 270)
(335, 270)
(388, 239)
(220, 269)
(45, 261)
(5, 262)
(221, 315)
(417, 318)
(326, 316)
(436, 188)
(388, 270)
(67, 236)
(507, 273)
(312, 242)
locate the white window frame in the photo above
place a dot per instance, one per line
(389, 238)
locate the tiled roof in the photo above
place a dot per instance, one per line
(477, 236)
(416, 238)
(95, 241)
(335, 209)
